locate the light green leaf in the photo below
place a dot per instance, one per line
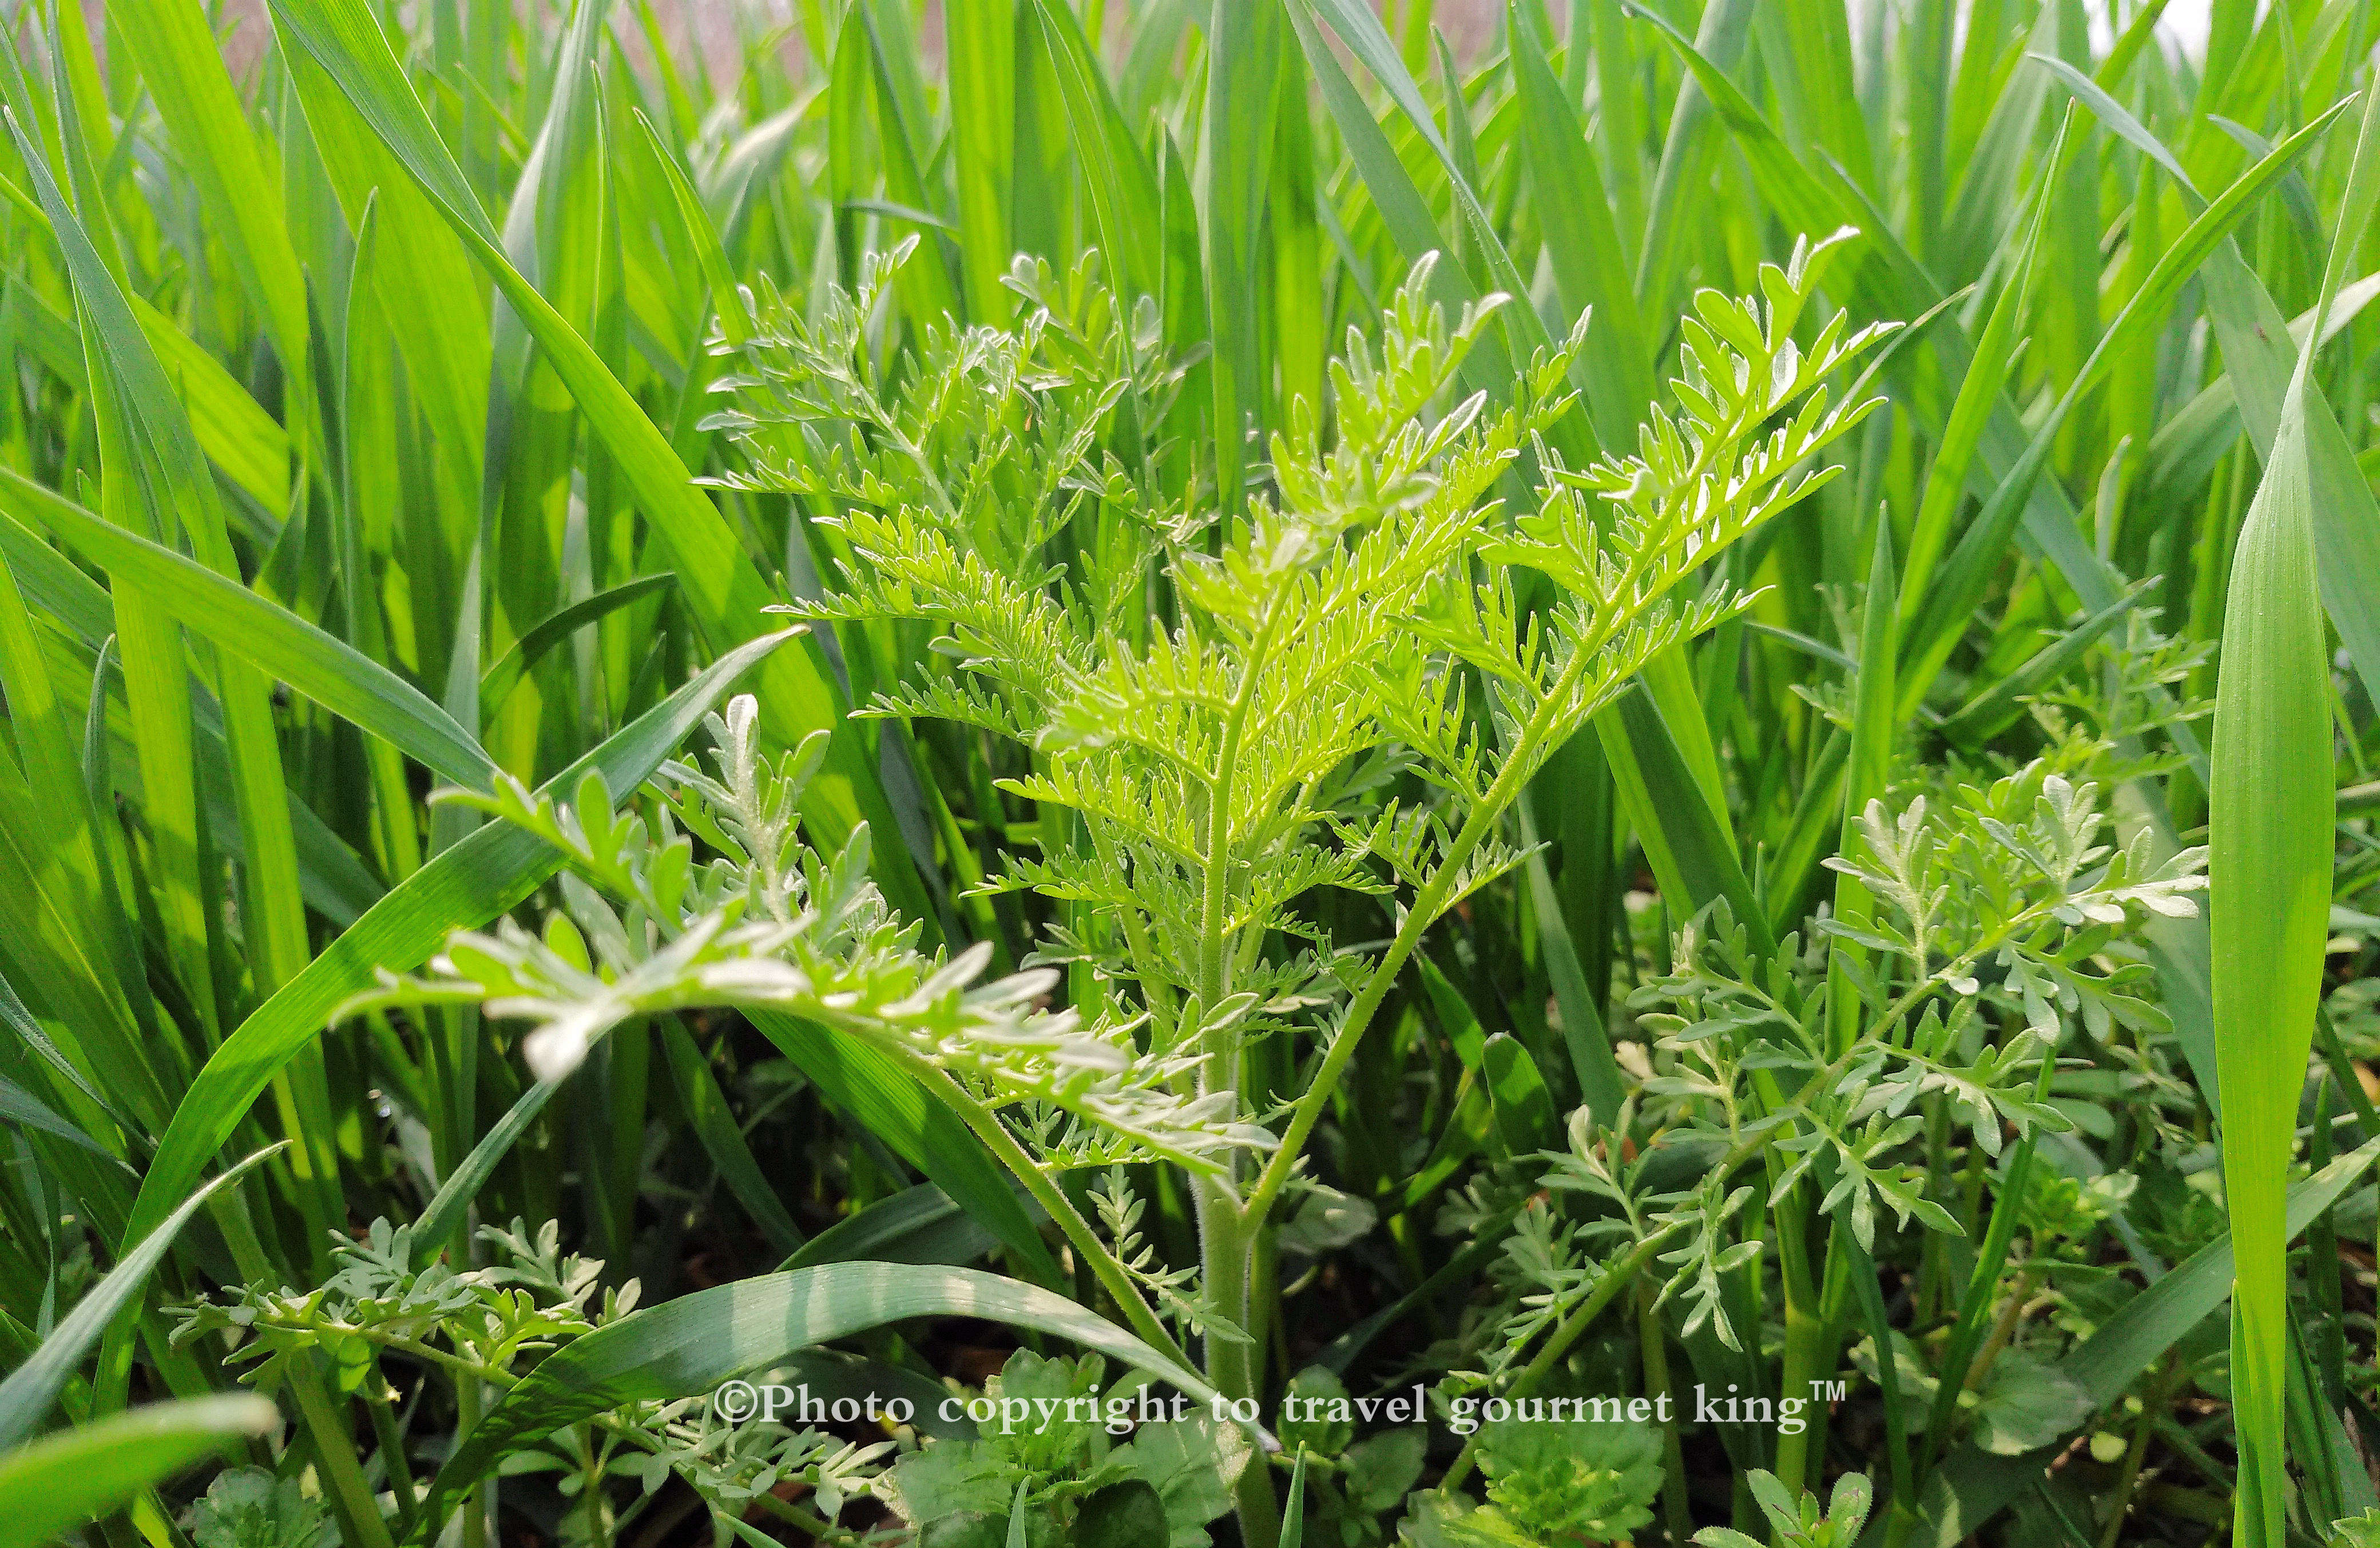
(59, 1483)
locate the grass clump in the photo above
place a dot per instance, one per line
(1345, 722)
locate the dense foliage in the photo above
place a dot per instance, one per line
(1112, 772)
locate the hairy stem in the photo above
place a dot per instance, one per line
(1226, 1245)
(1805, 1322)
(1427, 903)
(1226, 1235)
(1805, 1357)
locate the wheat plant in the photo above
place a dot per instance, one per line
(1557, 772)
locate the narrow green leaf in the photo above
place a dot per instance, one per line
(717, 577)
(26, 1395)
(319, 665)
(446, 1210)
(705, 1106)
(983, 144)
(500, 679)
(1582, 242)
(1979, 394)
(466, 885)
(62, 1482)
(689, 1347)
(920, 1225)
(2270, 815)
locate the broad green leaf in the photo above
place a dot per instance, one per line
(1524, 1114)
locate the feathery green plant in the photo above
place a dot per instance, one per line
(1355, 799)
(1233, 763)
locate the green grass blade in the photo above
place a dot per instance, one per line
(1687, 148)
(919, 1224)
(868, 1084)
(1866, 778)
(1688, 845)
(983, 144)
(2269, 835)
(56, 1484)
(321, 666)
(544, 635)
(451, 1205)
(1245, 50)
(1584, 1033)
(445, 342)
(718, 579)
(1360, 30)
(689, 1347)
(22, 1109)
(26, 1396)
(707, 1113)
(1582, 242)
(1980, 548)
(1979, 394)
(184, 71)
(464, 887)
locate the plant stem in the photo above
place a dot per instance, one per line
(1616, 1278)
(1226, 1234)
(1226, 1243)
(468, 1410)
(794, 1515)
(2152, 1408)
(1427, 903)
(1652, 1345)
(1049, 1196)
(359, 1512)
(1806, 1341)
(2003, 1328)
(1804, 1323)
(393, 1464)
(591, 1485)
